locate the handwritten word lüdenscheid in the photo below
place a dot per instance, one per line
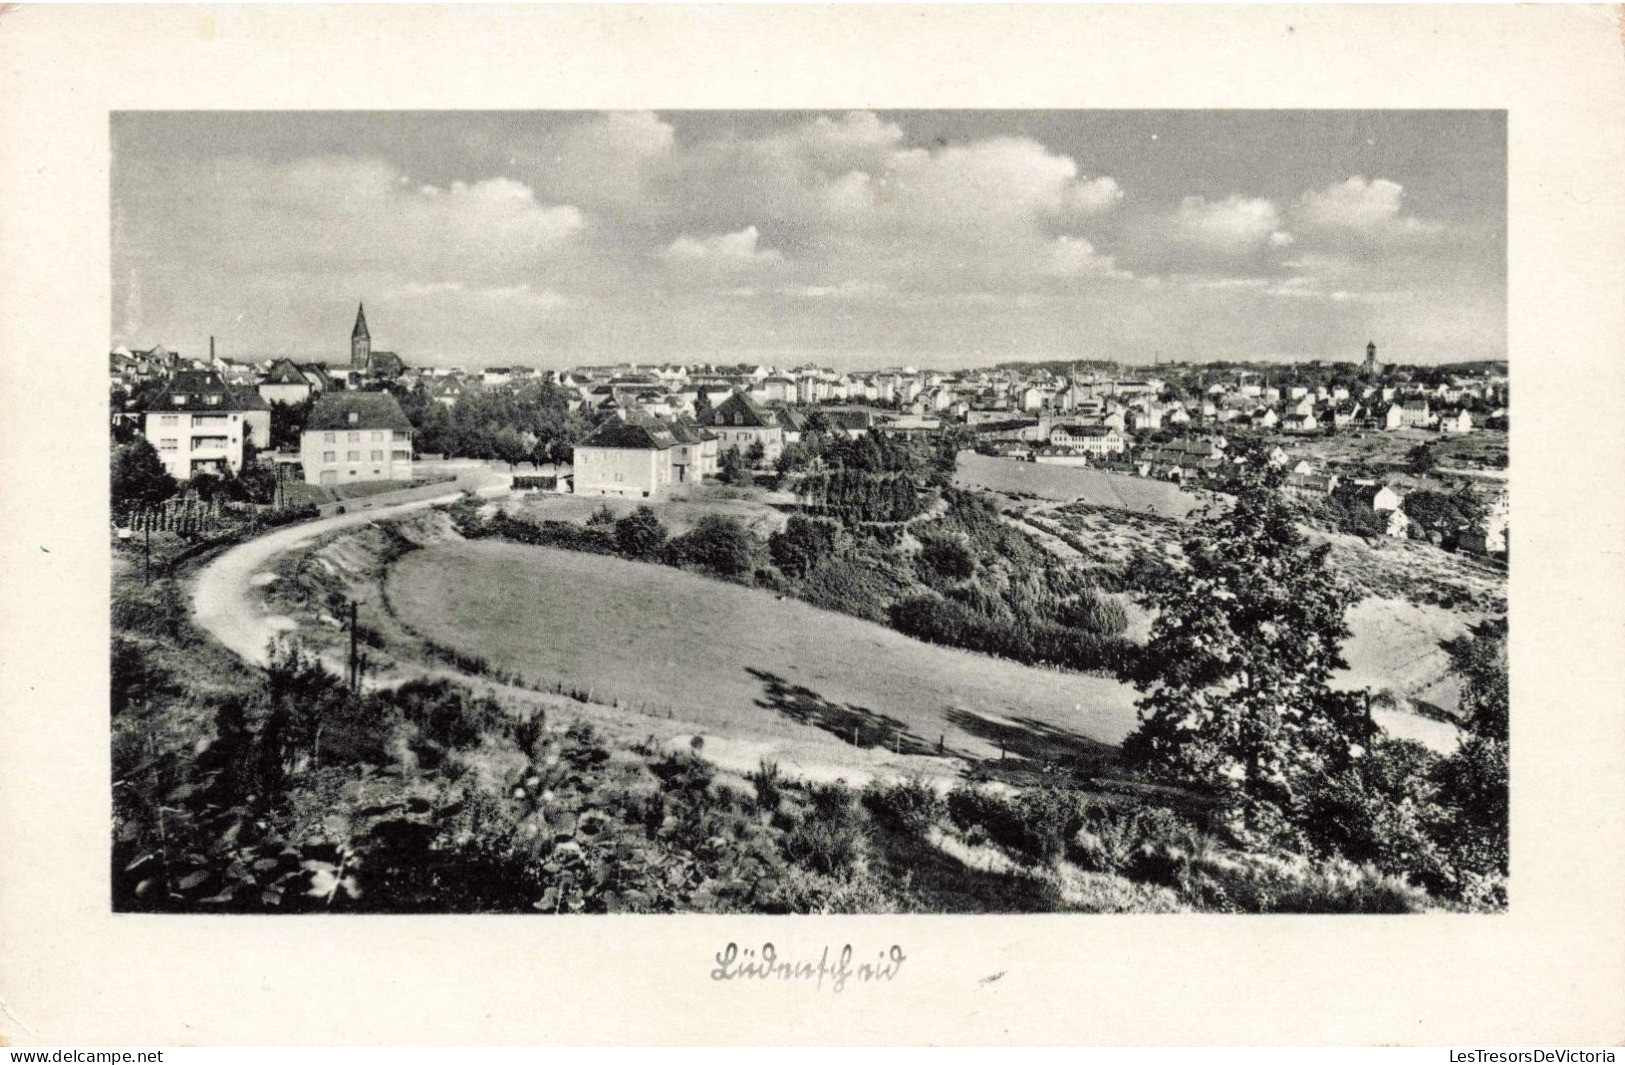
(837, 968)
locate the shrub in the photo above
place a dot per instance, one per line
(912, 805)
(803, 544)
(718, 543)
(766, 782)
(640, 534)
(829, 836)
(1333, 887)
(447, 716)
(946, 558)
(1046, 819)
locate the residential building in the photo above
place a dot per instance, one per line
(284, 383)
(1097, 440)
(200, 424)
(356, 436)
(739, 421)
(639, 458)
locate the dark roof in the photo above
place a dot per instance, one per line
(387, 360)
(757, 416)
(687, 432)
(375, 410)
(791, 419)
(202, 390)
(284, 372)
(360, 330)
(649, 435)
(323, 379)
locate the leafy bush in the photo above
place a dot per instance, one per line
(946, 558)
(640, 534)
(912, 805)
(828, 838)
(767, 784)
(717, 543)
(803, 544)
(447, 716)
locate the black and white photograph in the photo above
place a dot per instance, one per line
(809, 512)
(783, 525)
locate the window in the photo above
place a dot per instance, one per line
(328, 438)
(400, 435)
(330, 456)
(167, 444)
(377, 436)
(167, 420)
(355, 438)
(353, 456)
(377, 456)
(179, 398)
(354, 418)
(402, 456)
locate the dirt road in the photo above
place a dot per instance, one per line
(223, 599)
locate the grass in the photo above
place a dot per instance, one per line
(647, 634)
(1119, 491)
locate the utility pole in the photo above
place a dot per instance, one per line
(353, 670)
(146, 554)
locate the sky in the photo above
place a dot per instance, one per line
(851, 239)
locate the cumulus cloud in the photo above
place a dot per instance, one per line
(1369, 207)
(1235, 223)
(1075, 257)
(835, 234)
(726, 249)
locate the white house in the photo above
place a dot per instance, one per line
(199, 424)
(356, 436)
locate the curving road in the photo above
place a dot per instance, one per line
(223, 599)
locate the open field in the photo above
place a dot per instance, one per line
(1067, 484)
(735, 658)
(1473, 457)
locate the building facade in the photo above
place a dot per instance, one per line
(356, 436)
(198, 424)
(642, 458)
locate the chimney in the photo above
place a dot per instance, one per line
(211, 347)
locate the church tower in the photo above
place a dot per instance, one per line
(360, 341)
(1371, 366)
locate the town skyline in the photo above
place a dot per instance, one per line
(862, 240)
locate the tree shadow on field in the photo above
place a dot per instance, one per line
(857, 725)
(1042, 751)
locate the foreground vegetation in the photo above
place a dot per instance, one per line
(281, 790)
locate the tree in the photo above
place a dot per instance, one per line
(640, 534)
(1235, 675)
(1421, 460)
(719, 544)
(803, 544)
(139, 478)
(731, 467)
(755, 455)
(1480, 660)
(288, 422)
(510, 447)
(1443, 513)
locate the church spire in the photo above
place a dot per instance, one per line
(360, 341)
